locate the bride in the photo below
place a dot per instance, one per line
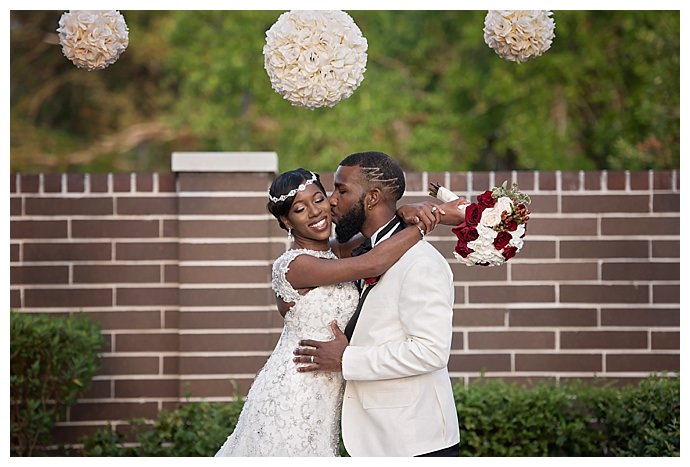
(290, 413)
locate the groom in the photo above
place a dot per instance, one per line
(398, 396)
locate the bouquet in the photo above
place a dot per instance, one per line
(93, 40)
(315, 58)
(494, 226)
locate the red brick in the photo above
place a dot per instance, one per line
(511, 294)
(640, 317)
(603, 249)
(226, 297)
(480, 182)
(38, 229)
(556, 317)
(99, 183)
(149, 342)
(465, 273)
(666, 340)
(234, 251)
(66, 251)
(147, 388)
(171, 273)
(121, 228)
(537, 249)
(16, 208)
(467, 362)
(521, 381)
(570, 181)
(129, 365)
(14, 252)
(224, 274)
(458, 182)
(663, 179)
(642, 362)
(503, 176)
(605, 204)
(639, 180)
(665, 249)
(146, 296)
(222, 206)
(29, 183)
(593, 181)
(633, 226)
(39, 274)
(113, 410)
(561, 362)
(413, 182)
(144, 182)
(167, 182)
(666, 293)
(52, 183)
(15, 299)
(98, 390)
(230, 319)
(170, 228)
(603, 293)
(115, 273)
(561, 271)
(547, 180)
(225, 181)
(147, 206)
(217, 387)
(146, 251)
(171, 319)
(562, 226)
(525, 180)
(603, 339)
(221, 365)
(511, 340)
(640, 271)
(542, 203)
(70, 297)
(666, 202)
(229, 229)
(457, 341)
(118, 320)
(228, 342)
(69, 434)
(616, 179)
(13, 183)
(122, 182)
(75, 183)
(68, 206)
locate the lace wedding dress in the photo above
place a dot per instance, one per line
(288, 413)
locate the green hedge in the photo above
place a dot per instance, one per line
(496, 419)
(52, 362)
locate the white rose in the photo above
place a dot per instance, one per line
(503, 204)
(491, 217)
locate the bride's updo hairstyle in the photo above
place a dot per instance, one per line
(282, 192)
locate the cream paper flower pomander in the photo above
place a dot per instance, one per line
(315, 58)
(519, 35)
(93, 39)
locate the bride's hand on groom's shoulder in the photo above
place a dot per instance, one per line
(314, 355)
(424, 214)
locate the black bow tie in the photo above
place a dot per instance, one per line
(363, 248)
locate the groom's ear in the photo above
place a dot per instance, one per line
(372, 198)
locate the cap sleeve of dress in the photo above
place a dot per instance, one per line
(279, 283)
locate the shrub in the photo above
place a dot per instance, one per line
(193, 429)
(52, 362)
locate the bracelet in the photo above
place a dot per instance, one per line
(421, 231)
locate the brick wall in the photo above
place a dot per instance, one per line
(176, 269)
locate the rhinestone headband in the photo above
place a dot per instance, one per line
(293, 192)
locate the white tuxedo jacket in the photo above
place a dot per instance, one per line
(398, 395)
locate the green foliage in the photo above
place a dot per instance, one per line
(194, 429)
(605, 96)
(52, 362)
(497, 419)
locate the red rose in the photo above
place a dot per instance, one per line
(462, 249)
(502, 240)
(511, 226)
(473, 214)
(509, 252)
(486, 200)
(371, 280)
(470, 234)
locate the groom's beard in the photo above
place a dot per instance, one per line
(351, 222)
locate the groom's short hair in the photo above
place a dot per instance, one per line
(379, 170)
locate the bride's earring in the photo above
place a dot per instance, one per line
(290, 234)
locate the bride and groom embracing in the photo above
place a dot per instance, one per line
(386, 377)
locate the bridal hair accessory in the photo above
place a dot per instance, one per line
(294, 191)
(315, 58)
(494, 226)
(519, 35)
(93, 39)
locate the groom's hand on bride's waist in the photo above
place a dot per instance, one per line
(314, 355)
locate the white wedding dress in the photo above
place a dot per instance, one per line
(288, 413)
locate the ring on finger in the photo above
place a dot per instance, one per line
(434, 209)
(312, 359)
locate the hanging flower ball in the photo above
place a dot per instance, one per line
(519, 35)
(315, 58)
(93, 39)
